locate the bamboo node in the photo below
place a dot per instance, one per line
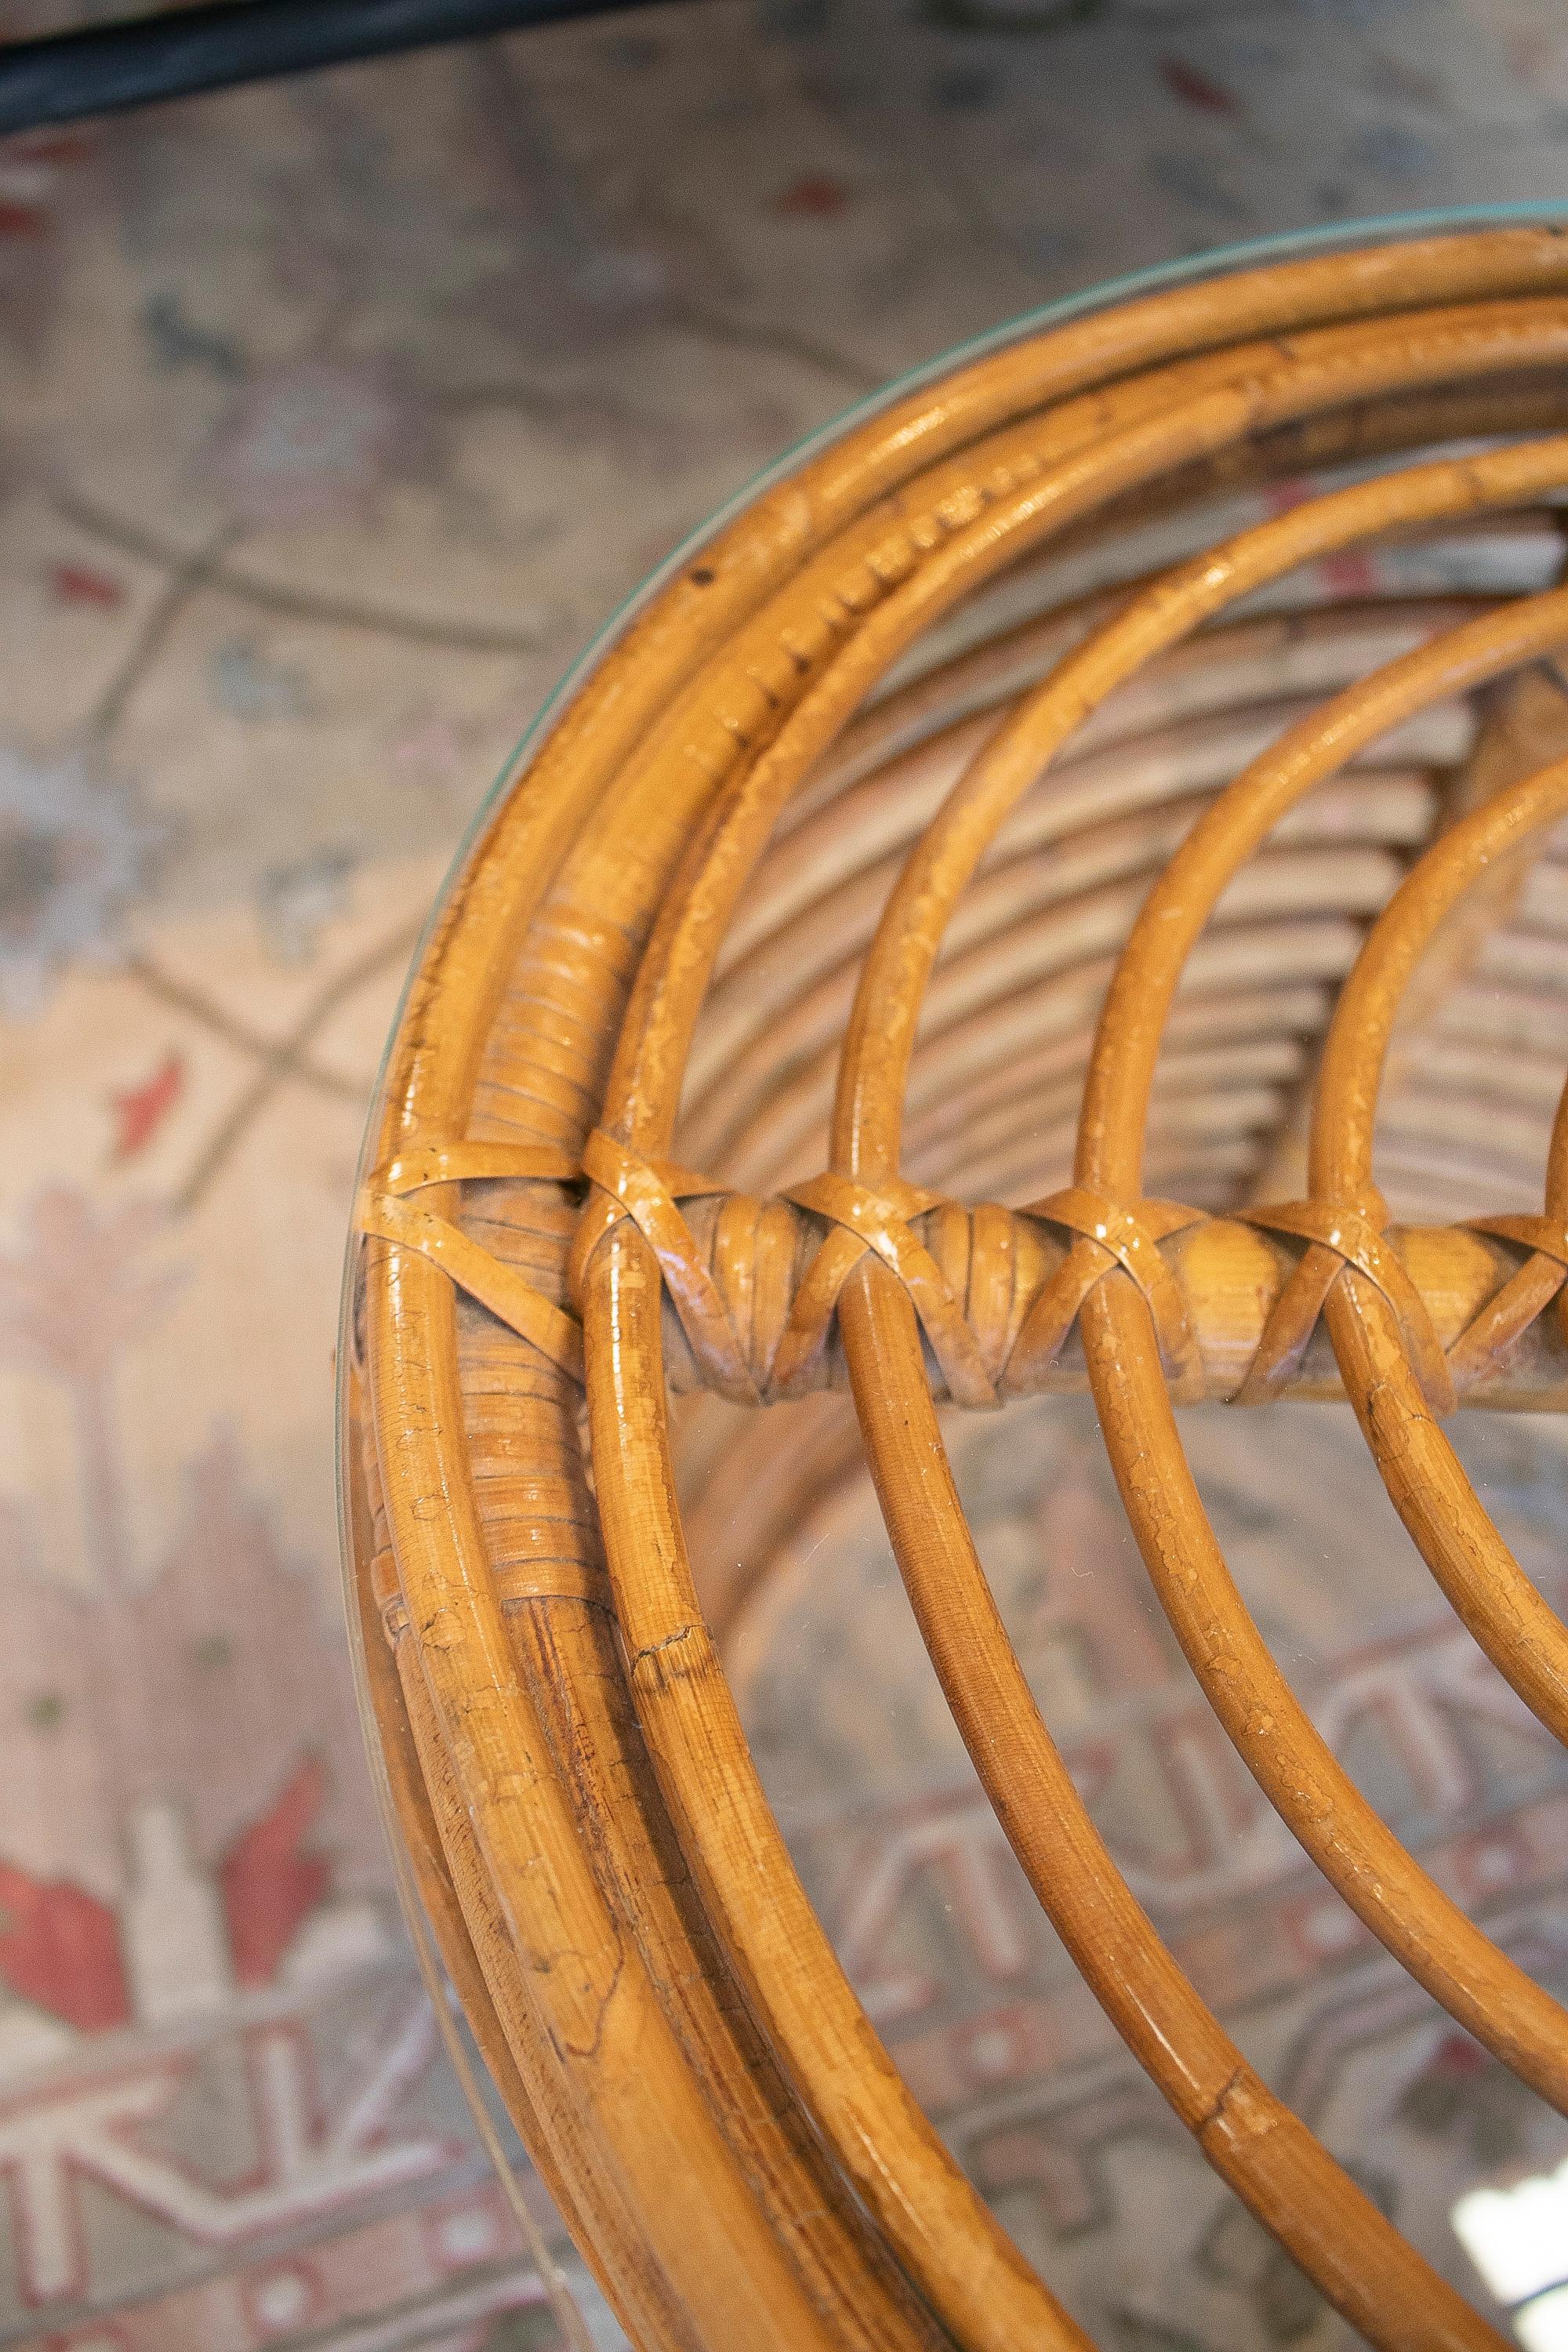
(1107, 1237)
(1343, 1238)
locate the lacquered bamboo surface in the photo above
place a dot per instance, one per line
(902, 961)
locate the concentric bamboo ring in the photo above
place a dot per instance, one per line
(998, 797)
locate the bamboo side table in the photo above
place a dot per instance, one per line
(651, 1123)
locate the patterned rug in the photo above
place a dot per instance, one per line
(337, 415)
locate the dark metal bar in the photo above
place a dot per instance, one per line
(145, 60)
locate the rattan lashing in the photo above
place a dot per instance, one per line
(610, 1891)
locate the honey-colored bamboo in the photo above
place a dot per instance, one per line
(727, 2136)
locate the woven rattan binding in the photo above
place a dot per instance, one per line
(612, 1895)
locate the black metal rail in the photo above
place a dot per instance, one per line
(145, 60)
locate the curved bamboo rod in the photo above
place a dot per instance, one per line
(599, 1997)
(1265, 1723)
(1520, 1632)
(981, 1677)
(688, 1723)
(1236, 666)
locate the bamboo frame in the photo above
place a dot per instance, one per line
(613, 1898)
